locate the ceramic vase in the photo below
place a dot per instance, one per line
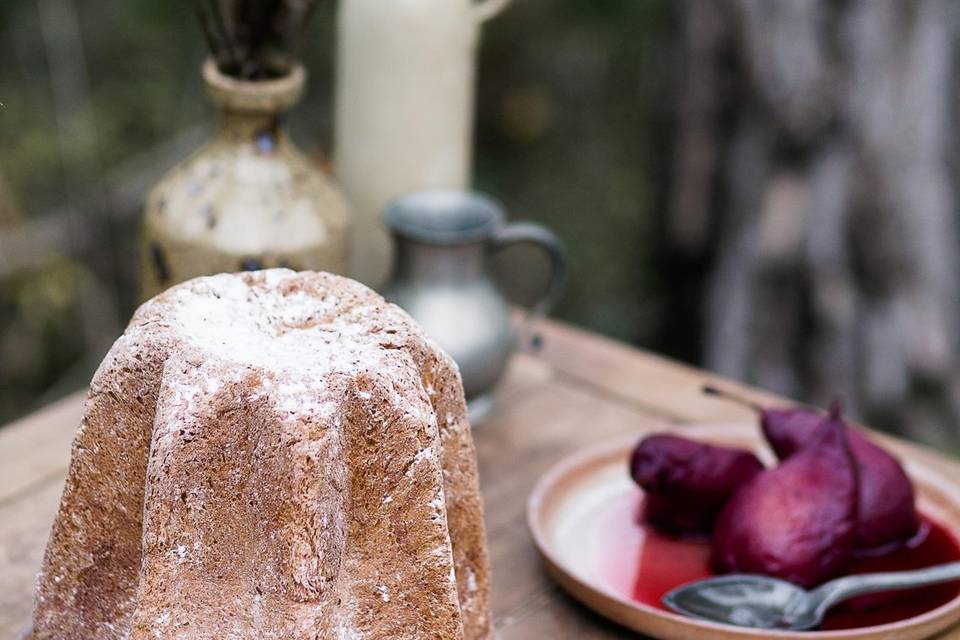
(248, 199)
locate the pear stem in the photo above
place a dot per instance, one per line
(710, 390)
(836, 410)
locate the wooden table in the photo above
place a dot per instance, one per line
(577, 390)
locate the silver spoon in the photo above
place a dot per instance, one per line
(762, 602)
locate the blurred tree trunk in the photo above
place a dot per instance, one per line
(10, 215)
(813, 182)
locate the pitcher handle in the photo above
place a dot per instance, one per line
(486, 9)
(539, 236)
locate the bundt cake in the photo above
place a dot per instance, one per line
(269, 455)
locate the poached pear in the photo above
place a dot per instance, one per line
(687, 483)
(888, 515)
(887, 506)
(798, 521)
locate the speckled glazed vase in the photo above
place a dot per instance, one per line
(246, 200)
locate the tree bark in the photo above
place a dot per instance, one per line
(812, 176)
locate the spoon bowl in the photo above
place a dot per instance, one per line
(762, 602)
(754, 601)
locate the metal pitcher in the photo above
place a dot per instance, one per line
(444, 240)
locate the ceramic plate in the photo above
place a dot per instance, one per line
(575, 504)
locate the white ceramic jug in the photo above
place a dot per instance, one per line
(404, 108)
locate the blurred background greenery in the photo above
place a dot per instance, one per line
(765, 189)
(99, 99)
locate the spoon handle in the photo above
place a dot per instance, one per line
(835, 591)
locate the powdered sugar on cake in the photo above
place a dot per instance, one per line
(256, 321)
(263, 320)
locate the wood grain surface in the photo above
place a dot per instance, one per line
(578, 389)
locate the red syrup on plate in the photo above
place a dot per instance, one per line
(663, 562)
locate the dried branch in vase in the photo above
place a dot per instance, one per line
(255, 39)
